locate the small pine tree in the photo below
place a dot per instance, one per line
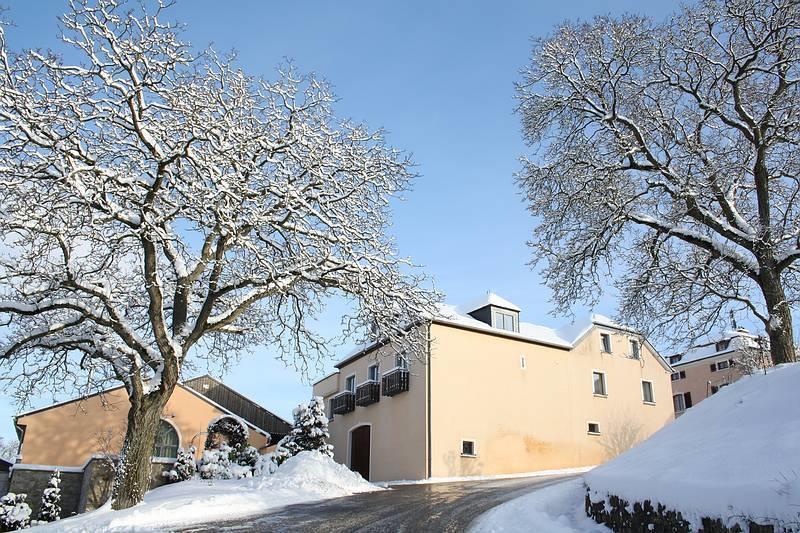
(14, 512)
(184, 467)
(310, 432)
(50, 508)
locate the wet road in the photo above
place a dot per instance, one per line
(447, 507)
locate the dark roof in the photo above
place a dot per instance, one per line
(5, 466)
(243, 407)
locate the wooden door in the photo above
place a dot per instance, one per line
(359, 451)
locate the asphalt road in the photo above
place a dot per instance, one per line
(449, 507)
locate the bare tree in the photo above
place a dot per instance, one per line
(157, 203)
(668, 160)
(9, 450)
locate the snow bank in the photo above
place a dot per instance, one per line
(735, 453)
(554, 509)
(305, 477)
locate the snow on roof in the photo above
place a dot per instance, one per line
(737, 340)
(489, 298)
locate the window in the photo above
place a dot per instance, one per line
(166, 444)
(593, 428)
(722, 345)
(722, 365)
(713, 367)
(675, 359)
(599, 383)
(714, 389)
(605, 340)
(506, 321)
(682, 402)
(523, 364)
(350, 383)
(468, 448)
(678, 375)
(647, 392)
(401, 361)
(373, 373)
(635, 351)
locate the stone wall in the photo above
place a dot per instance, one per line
(33, 483)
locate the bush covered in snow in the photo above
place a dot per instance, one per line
(229, 463)
(310, 432)
(14, 512)
(232, 428)
(184, 467)
(50, 508)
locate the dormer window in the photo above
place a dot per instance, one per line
(722, 345)
(505, 320)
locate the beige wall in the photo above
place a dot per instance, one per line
(699, 374)
(398, 423)
(521, 420)
(69, 434)
(536, 418)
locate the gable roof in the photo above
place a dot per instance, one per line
(566, 337)
(280, 425)
(489, 298)
(239, 405)
(737, 340)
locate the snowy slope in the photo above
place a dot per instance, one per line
(307, 476)
(736, 453)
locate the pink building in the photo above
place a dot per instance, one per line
(704, 369)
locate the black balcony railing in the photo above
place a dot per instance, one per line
(367, 393)
(395, 381)
(343, 403)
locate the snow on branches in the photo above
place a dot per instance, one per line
(667, 159)
(153, 199)
(310, 432)
(50, 508)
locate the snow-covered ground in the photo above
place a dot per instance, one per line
(306, 477)
(735, 453)
(554, 509)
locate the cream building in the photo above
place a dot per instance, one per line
(704, 369)
(495, 395)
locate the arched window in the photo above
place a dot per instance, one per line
(166, 444)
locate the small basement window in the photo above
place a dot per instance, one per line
(593, 429)
(468, 448)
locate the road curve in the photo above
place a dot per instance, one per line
(449, 507)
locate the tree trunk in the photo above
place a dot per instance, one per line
(134, 469)
(779, 327)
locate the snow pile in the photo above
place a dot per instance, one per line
(308, 476)
(732, 455)
(554, 509)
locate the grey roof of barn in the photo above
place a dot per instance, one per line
(240, 405)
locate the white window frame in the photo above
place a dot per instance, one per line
(638, 353)
(605, 384)
(346, 380)
(652, 401)
(683, 402)
(377, 368)
(400, 361)
(593, 433)
(604, 335)
(498, 316)
(474, 448)
(726, 363)
(155, 459)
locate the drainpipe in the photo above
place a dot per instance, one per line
(430, 459)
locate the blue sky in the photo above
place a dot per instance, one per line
(439, 77)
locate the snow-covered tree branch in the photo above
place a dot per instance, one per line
(668, 159)
(155, 200)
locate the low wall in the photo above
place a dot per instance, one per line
(33, 481)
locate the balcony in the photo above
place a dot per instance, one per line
(395, 381)
(368, 393)
(343, 403)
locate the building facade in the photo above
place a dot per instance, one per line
(706, 368)
(81, 438)
(494, 396)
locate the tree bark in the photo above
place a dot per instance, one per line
(779, 327)
(134, 468)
